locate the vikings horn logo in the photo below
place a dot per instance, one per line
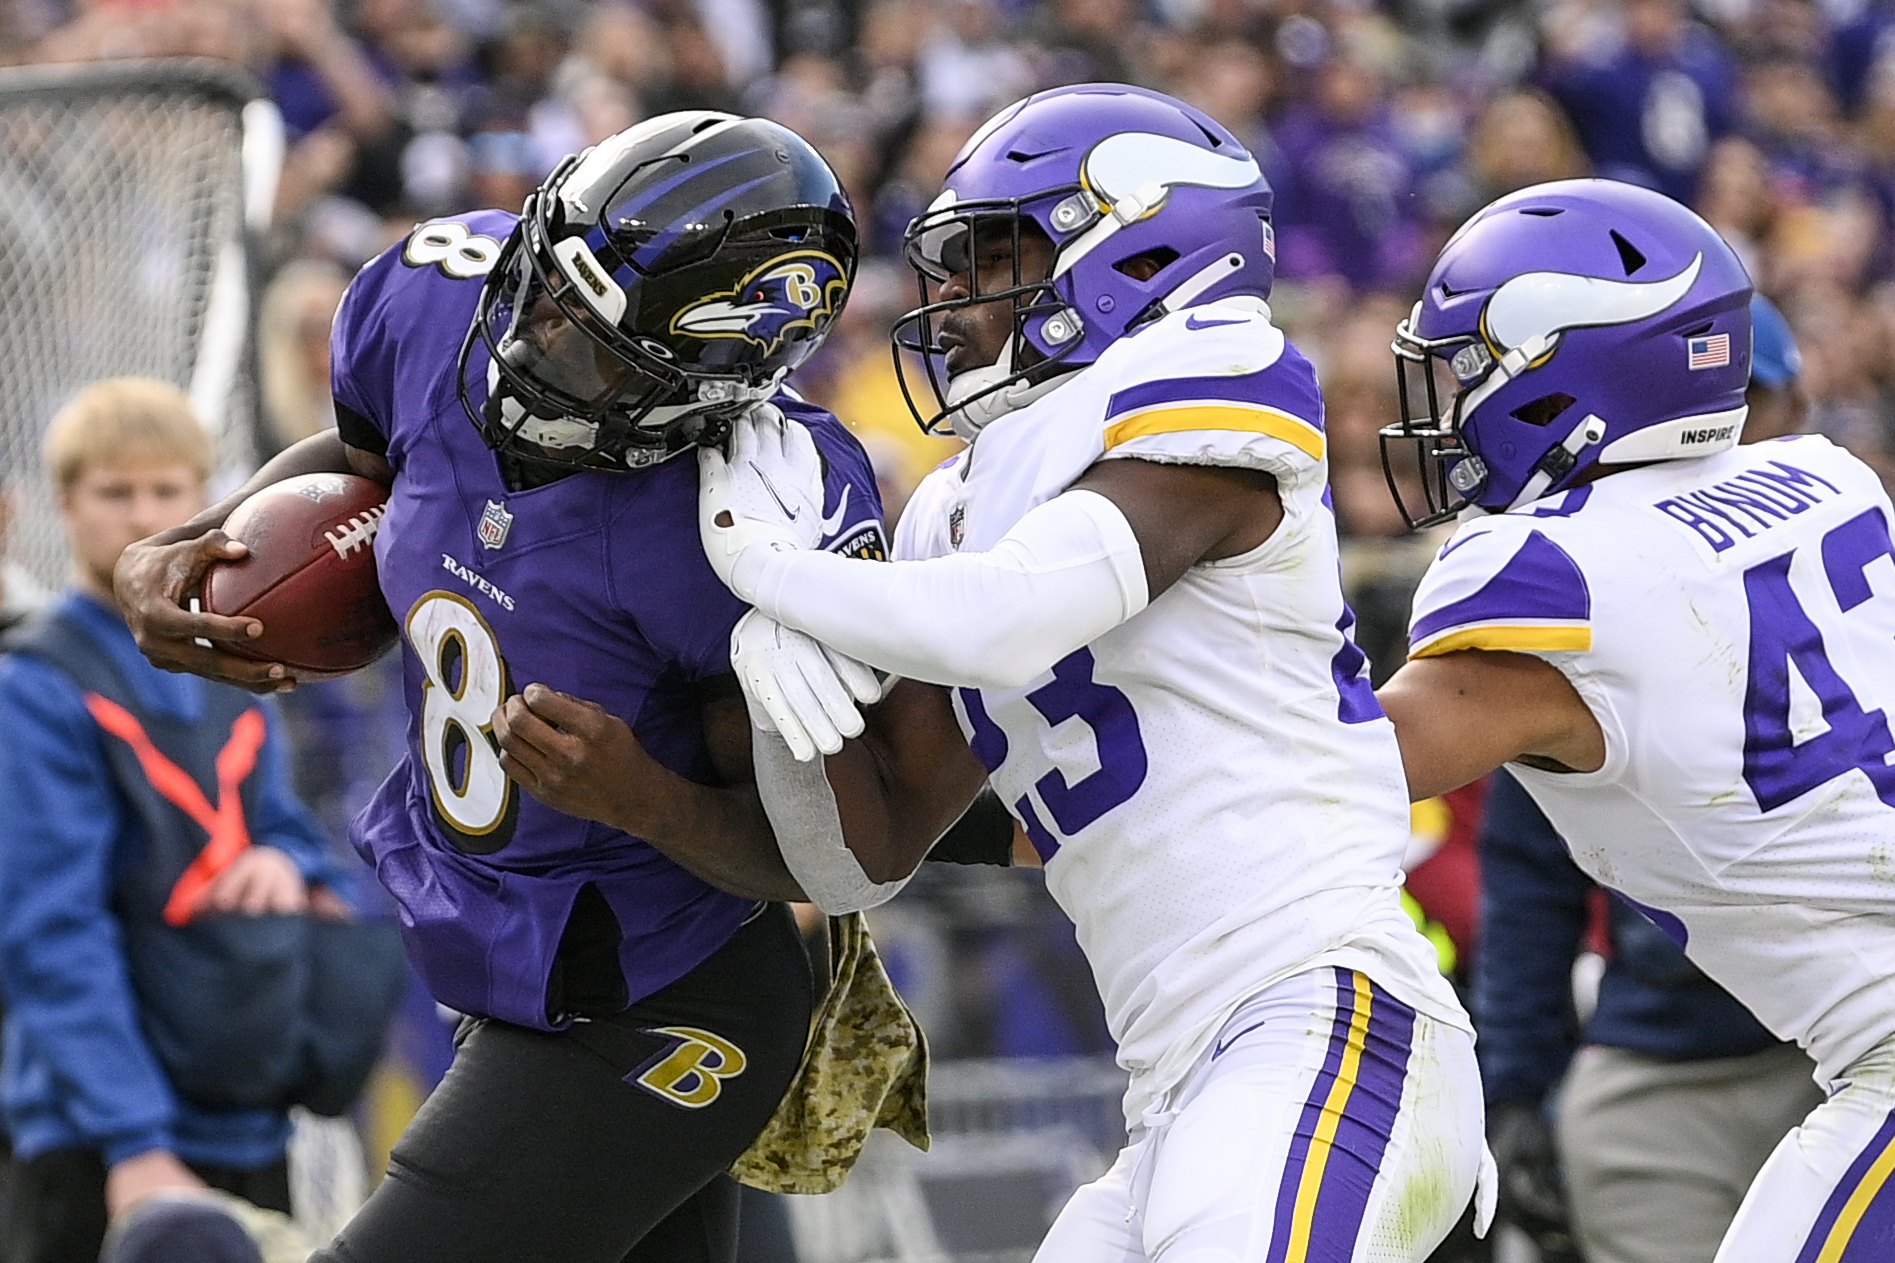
(795, 291)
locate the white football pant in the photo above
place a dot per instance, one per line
(1825, 1195)
(1328, 1123)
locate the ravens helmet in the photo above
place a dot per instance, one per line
(655, 285)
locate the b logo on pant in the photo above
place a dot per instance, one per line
(691, 1072)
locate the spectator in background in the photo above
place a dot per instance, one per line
(155, 872)
(1663, 1107)
(338, 110)
(1234, 82)
(964, 65)
(1857, 52)
(293, 323)
(1648, 95)
(1779, 405)
(1736, 198)
(1847, 370)
(1076, 41)
(1520, 138)
(1345, 204)
(515, 118)
(697, 79)
(318, 75)
(1794, 120)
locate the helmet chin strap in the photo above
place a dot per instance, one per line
(556, 433)
(1559, 461)
(979, 396)
(548, 432)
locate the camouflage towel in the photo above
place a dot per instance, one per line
(865, 1066)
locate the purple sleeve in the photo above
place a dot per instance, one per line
(361, 354)
(395, 347)
(1502, 588)
(852, 501)
(683, 609)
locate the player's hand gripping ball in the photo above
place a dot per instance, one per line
(310, 575)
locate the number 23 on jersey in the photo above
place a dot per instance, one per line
(1072, 694)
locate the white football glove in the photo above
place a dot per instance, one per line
(767, 494)
(798, 687)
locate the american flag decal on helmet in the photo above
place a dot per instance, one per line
(1711, 351)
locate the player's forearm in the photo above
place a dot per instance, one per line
(720, 835)
(1463, 714)
(837, 872)
(1069, 572)
(904, 782)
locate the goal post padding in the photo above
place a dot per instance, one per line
(130, 193)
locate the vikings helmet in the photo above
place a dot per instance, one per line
(1110, 174)
(1585, 322)
(655, 285)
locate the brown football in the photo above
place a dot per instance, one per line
(310, 576)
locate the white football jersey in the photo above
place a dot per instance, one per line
(1731, 623)
(1216, 793)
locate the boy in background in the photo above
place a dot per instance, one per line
(87, 856)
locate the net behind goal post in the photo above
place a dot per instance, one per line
(130, 195)
(129, 192)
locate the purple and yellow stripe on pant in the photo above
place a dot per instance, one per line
(1858, 1221)
(1337, 1150)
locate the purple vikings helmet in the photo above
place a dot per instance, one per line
(1587, 322)
(1110, 174)
(657, 284)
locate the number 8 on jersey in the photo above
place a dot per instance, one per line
(466, 680)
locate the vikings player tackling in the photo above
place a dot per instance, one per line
(1681, 646)
(525, 385)
(1121, 604)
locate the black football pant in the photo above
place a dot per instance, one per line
(606, 1142)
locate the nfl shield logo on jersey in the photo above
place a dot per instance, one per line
(495, 522)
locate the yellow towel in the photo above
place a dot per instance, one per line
(865, 1066)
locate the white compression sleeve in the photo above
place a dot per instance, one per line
(802, 810)
(1068, 572)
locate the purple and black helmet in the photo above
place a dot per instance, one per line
(694, 260)
(1585, 322)
(1109, 173)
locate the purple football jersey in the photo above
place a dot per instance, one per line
(595, 585)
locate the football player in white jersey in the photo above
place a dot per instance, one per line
(1121, 604)
(1682, 646)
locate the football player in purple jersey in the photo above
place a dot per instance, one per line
(1680, 646)
(525, 386)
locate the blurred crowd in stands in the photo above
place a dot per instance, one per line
(1381, 125)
